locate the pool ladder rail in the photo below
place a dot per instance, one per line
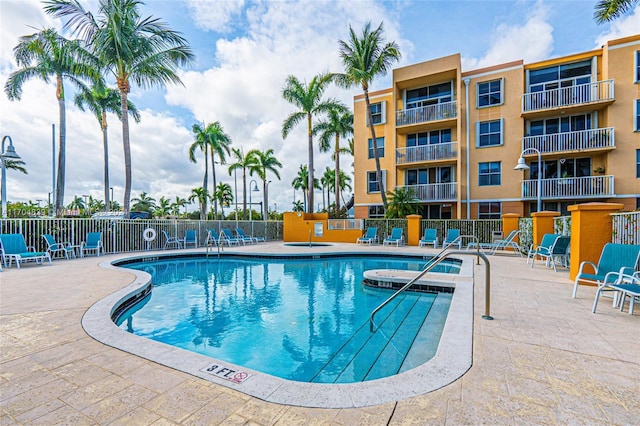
(444, 254)
(210, 240)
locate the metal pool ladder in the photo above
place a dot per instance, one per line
(435, 261)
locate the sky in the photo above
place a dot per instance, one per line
(244, 52)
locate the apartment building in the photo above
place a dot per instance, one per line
(455, 137)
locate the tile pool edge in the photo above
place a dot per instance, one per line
(453, 357)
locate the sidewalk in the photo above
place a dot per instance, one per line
(544, 359)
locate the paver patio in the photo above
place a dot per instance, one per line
(545, 359)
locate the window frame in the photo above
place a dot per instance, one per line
(488, 82)
(490, 174)
(490, 214)
(637, 67)
(370, 154)
(636, 116)
(375, 181)
(478, 135)
(382, 113)
(637, 163)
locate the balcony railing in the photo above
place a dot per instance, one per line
(415, 154)
(442, 111)
(434, 191)
(571, 141)
(578, 187)
(568, 96)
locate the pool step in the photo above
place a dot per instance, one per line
(366, 355)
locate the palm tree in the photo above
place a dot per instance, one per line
(177, 203)
(144, 51)
(224, 194)
(345, 183)
(308, 99)
(608, 10)
(201, 195)
(144, 203)
(77, 203)
(163, 208)
(403, 203)
(100, 100)
(243, 162)
(298, 206)
(219, 143)
(263, 162)
(47, 55)
(301, 181)
(365, 58)
(327, 181)
(339, 124)
(202, 143)
(18, 165)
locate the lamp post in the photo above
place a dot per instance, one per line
(522, 165)
(9, 153)
(266, 201)
(110, 199)
(86, 206)
(253, 188)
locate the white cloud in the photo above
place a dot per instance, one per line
(214, 15)
(531, 41)
(621, 27)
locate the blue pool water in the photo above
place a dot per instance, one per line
(299, 319)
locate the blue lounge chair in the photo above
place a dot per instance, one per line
(544, 248)
(54, 247)
(557, 253)
(229, 238)
(624, 284)
(190, 237)
(245, 238)
(430, 238)
(452, 238)
(92, 243)
(620, 258)
(395, 237)
(370, 237)
(171, 241)
(213, 238)
(14, 247)
(507, 243)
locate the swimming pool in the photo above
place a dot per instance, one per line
(452, 359)
(298, 319)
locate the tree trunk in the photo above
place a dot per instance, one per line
(310, 148)
(383, 195)
(205, 183)
(265, 188)
(244, 193)
(105, 146)
(215, 184)
(337, 181)
(62, 146)
(123, 86)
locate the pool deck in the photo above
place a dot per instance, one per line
(544, 359)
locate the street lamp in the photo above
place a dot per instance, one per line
(85, 203)
(110, 199)
(522, 165)
(252, 189)
(9, 153)
(266, 202)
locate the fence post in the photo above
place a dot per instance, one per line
(413, 229)
(543, 224)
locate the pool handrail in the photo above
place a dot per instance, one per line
(430, 266)
(460, 237)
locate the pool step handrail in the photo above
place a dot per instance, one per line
(429, 267)
(459, 237)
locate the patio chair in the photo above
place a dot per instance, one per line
(452, 238)
(543, 248)
(430, 238)
(213, 238)
(190, 237)
(370, 237)
(395, 237)
(500, 244)
(92, 243)
(557, 251)
(64, 248)
(229, 238)
(14, 247)
(171, 241)
(624, 284)
(244, 237)
(620, 258)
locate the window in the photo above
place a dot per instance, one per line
(490, 93)
(492, 210)
(560, 76)
(562, 168)
(551, 126)
(430, 95)
(372, 181)
(637, 116)
(376, 211)
(637, 68)
(429, 138)
(378, 113)
(638, 163)
(489, 173)
(489, 133)
(380, 143)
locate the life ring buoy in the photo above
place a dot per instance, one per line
(149, 234)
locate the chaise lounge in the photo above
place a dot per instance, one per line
(14, 247)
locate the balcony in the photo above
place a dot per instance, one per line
(436, 192)
(570, 97)
(569, 188)
(422, 153)
(425, 114)
(594, 139)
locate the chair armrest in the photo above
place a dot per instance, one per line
(586, 262)
(624, 269)
(31, 248)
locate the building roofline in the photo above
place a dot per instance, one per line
(489, 69)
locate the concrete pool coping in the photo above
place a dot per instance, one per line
(453, 357)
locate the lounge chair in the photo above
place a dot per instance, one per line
(453, 237)
(558, 250)
(370, 237)
(620, 258)
(14, 247)
(543, 248)
(213, 238)
(64, 248)
(395, 237)
(502, 244)
(229, 238)
(430, 238)
(171, 241)
(92, 243)
(624, 284)
(245, 238)
(190, 237)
